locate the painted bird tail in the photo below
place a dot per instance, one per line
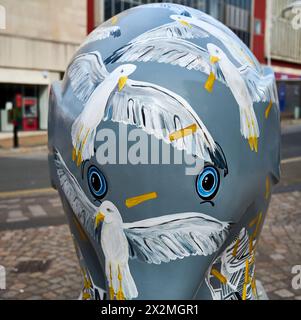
(249, 127)
(82, 141)
(129, 286)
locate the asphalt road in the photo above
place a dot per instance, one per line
(24, 171)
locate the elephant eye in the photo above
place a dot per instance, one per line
(97, 182)
(207, 183)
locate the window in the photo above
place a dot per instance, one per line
(234, 13)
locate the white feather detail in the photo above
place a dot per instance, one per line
(85, 73)
(261, 87)
(235, 263)
(175, 236)
(172, 30)
(160, 112)
(170, 51)
(79, 202)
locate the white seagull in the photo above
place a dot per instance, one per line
(156, 240)
(235, 46)
(167, 44)
(248, 121)
(154, 109)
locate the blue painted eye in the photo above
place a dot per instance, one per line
(97, 182)
(207, 183)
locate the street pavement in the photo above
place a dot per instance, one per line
(37, 251)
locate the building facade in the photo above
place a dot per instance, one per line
(36, 43)
(234, 13)
(277, 42)
(38, 38)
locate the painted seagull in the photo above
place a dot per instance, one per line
(154, 109)
(156, 240)
(166, 45)
(101, 33)
(248, 121)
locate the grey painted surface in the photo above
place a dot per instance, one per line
(241, 193)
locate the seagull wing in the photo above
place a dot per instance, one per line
(167, 50)
(85, 73)
(161, 112)
(173, 30)
(175, 236)
(101, 33)
(79, 202)
(262, 87)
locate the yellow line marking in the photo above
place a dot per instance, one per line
(111, 289)
(247, 272)
(253, 222)
(79, 228)
(23, 193)
(219, 276)
(86, 296)
(235, 248)
(183, 132)
(185, 23)
(114, 20)
(132, 202)
(257, 225)
(214, 59)
(210, 82)
(251, 244)
(267, 188)
(268, 109)
(253, 286)
(244, 292)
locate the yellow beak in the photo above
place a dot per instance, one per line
(214, 59)
(121, 82)
(185, 23)
(99, 218)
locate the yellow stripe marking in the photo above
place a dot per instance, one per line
(121, 82)
(114, 20)
(132, 202)
(253, 142)
(210, 82)
(253, 285)
(268, 109)
(79, 228)
(252, 259)
(247, 272)
(185, 23)
(257, 225)
(251, 244)
(120, 294)
(74, 154)
(183, 133)
(219, 276)
(244, 292)
(86, 296)
(267, 188)
(24, 193)
(235, 248)
(87, 283)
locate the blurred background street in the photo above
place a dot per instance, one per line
(36, 247)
